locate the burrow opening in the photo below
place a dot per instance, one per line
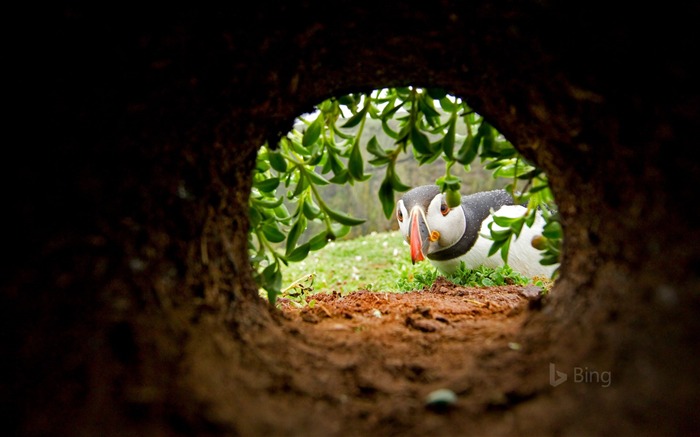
(362, 346)
(343, 172)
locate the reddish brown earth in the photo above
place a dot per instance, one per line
(378, 355)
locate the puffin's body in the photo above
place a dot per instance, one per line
(449, 236)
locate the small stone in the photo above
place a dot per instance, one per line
(441, 399)
(531, 292)
(338, 327)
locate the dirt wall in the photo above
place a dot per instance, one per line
(127, 214)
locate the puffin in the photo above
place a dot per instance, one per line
(449, 236)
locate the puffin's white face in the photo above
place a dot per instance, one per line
(448, 222)
(402, 216)
(432, 230)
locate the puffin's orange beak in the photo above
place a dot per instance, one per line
(418, 234)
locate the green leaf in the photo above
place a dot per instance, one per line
(395, 180)
(426, 106)
(493, 164)
(315, 159)
(272, 281)
(340, 133)
(386, 197)
(420, 142)
(272, 233)
(528, 173)
(261, 165)
(469, 150)
(327, 105)
(267, 185)
(389, 112)
(517, 225)
(272, 294)
(277, 161)
(339, 231)
(267, 202)
(531, 218)
(404, 134)
(254, 216)
(310, 209)
(316, 178)
(389, 131)
(501, 235)
(296, 145)
(427, 159)
(335, 163)
(299, 253)
(504, 250)
(340, 177)
(378, 162)
(356, 163)
(448, 142)
(356, 119)
(496, 246)
(375, 148)
(346, 100)
(313, 132)
(302, 185)
(448, 182)
(486, 282)
(319, 240)
(447, 104)
(343, 219)
(505, 222)
(295, 232)
(552, 230)
(436, 93)
(549, 260)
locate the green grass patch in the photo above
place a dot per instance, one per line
(380, 262)
(372, 262)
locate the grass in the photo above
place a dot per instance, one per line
(380, 262)
(372, 262)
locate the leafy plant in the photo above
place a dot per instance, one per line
(479, 277)
(288, 175)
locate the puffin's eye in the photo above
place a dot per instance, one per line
(399, 215)
(444, 209)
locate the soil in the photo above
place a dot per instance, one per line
(365, 363)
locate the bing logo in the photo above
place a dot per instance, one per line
(581, 375)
